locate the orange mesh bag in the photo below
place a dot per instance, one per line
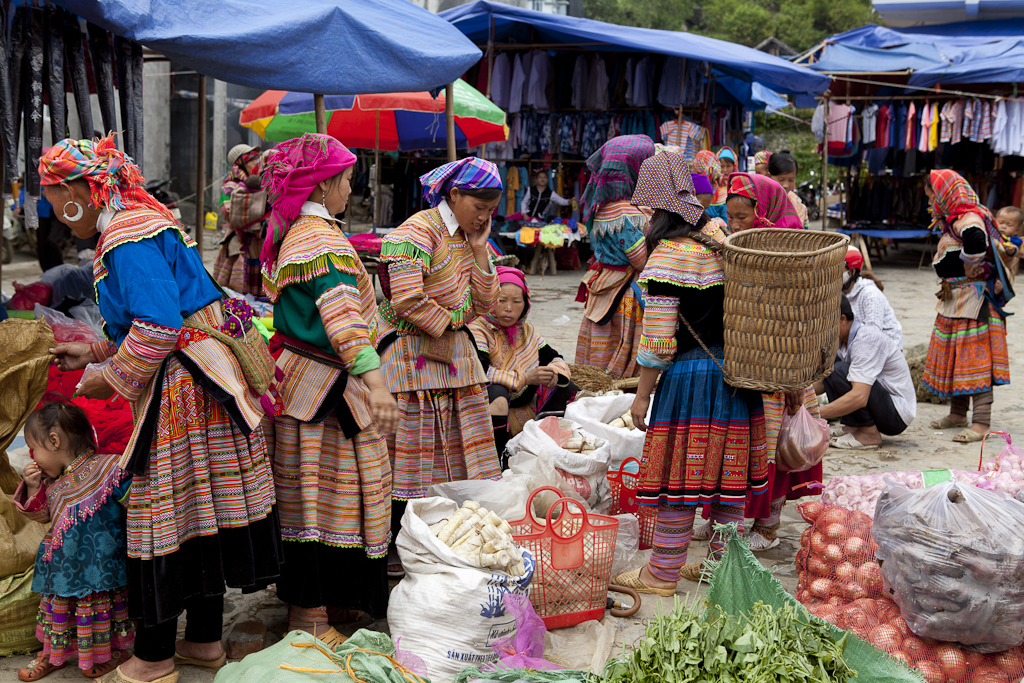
(858, 602)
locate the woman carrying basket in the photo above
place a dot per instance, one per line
(201, 503)
(967, 354)
(612, 309)
(757, 201)
(705, 441)
(331, 467)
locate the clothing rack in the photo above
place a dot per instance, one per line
(936, 92)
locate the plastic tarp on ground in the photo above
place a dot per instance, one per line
(737, 61)
(321, 46)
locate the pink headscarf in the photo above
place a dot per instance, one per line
(512, 276)
(772, 206)
(291, 172)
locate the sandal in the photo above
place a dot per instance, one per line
(332, 638)
(37, 668)
(848, 442)
(695, 571)
(947, 423)
(632, 580)
(968, 436)
(106, 667)
(837, 430)
(205, 663)
(395, 568)
(702, 532)
(116, 676)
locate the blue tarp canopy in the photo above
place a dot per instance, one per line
(736, 61)
(320, 46)
(961, 53)
(751, 95)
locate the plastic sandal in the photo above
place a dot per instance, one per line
(849, 443)
(759, 543)
(632, 580)
(694, 571)
(106, 667)
(702, 532)
(37, 668)
(946, 423)
(968, 436)
(205, 663)
(117, 676)
(332, 638)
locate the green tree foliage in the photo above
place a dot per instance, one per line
(799, 23)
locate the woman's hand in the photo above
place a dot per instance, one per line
(477, 239)
(384, 409)
(974, 270)
(72, 356)
(541, 377)
(94, 386)
(638, 411)
(794, 399)
(32, 475)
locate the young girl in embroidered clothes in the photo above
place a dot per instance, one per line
(80, 567)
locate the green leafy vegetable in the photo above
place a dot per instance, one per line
(764, 645)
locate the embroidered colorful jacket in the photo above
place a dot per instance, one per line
(432, 287)
(83, 551)
(324, 298)
(149, 279)
(620, 251)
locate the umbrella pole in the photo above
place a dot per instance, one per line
(449, 117)
(321, 114)
(376, 177)
(201, 165)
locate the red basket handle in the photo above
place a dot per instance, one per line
(981, 457)
(530, 518)
(567, 552)
(617, 474)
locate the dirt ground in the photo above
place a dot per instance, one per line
(910, 291)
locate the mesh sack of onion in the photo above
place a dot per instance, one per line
(840, 581)
(1002, 474)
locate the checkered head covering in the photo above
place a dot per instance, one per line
(762, 157)
(665, 183)
(707, 164)
(615, 167)
(471, 173)
(115, 182)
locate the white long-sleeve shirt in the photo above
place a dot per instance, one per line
(524, 206)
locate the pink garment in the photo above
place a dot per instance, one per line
(838, 114)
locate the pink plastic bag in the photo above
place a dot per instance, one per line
(552, 427)
(803, 441)
(525, 649)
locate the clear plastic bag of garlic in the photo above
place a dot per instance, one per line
(481, 538)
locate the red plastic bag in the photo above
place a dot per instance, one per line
(65, 329)
(803, 441)
(27, 296)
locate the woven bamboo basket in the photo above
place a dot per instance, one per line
(782, 295)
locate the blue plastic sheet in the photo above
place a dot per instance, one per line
(729, 59)
(320, 46)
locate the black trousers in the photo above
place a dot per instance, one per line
(204, 624)
(49, 242)
(879, 412)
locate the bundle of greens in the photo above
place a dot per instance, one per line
(763, 645)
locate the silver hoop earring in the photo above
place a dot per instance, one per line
(78, 214)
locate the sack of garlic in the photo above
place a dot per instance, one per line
(481, 538)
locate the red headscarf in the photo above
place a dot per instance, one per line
(772, 208)
(115, 182)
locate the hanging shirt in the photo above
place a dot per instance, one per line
(599, 82)
(986, 120)
(540, 69)
(515, 93)
(926, 122)
(870, 125)
(580, 81)
(911, 139)
(947, 118)
(501, 80)
(643, 86)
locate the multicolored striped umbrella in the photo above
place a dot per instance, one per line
(408, 120)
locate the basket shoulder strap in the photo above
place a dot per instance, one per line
(212, 331)
(702, 344)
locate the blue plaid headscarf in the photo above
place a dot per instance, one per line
(471, 173)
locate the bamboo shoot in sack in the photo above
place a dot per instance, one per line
(480, 538)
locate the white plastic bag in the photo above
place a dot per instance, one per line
(536, 454)
(595, 414)
(952, 558)
(445, 611)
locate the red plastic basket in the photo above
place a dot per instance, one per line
(623, 487)
(573, 552)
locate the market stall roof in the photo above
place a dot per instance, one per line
(960, 34)
(1001, 62)
(837, 58)
(530, 27)
(322, 46)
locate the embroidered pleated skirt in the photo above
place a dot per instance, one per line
(333, 500)
(705, 440)
(966, 356)
(90, 627)
(612, 343)
(201, 505)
